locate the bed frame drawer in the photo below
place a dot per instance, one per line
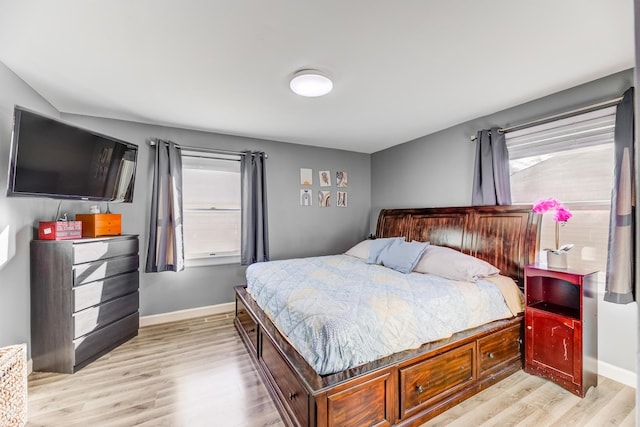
(248, 324)
(430, 380)
(498, 350)
(292, 393)
(368, 403)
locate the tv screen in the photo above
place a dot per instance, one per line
(53, 159)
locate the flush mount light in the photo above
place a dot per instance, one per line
(310, 83)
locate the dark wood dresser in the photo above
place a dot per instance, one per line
(84, 300)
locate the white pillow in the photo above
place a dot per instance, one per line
(451, 264)
(361, 250)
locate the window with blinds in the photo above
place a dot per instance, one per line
(570, 160)
(211, 204)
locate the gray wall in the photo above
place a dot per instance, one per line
(294, 230)
(437, 170)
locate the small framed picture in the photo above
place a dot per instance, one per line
(324, 199)
(342, 199)
(325, 178)
(306, 176)
(306, 197)
(341, 179)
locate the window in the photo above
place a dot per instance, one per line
(211, 204)
(570, 160)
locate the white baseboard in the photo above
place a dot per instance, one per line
(618, 374)
(174, 316)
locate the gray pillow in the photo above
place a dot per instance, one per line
(378, 246)
(402, 256)
(451, 264)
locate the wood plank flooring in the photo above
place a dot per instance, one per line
(198, 373)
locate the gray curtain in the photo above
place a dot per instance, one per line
(491, 184)
(620, 268)
(255, 233)
(166, 244)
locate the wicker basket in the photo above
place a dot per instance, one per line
(13, 386)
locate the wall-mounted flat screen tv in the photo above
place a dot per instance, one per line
(56, 160)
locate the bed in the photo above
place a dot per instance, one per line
(410, 386)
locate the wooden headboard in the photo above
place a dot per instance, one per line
(505, 236)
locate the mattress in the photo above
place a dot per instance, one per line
(340, 312)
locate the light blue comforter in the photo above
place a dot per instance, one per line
(340, 312)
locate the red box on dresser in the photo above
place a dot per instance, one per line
(59, 230)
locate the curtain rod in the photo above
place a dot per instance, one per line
(564, 115)
(152, 143)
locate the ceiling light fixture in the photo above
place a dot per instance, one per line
(310, 83)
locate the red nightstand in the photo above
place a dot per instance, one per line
(561, 329)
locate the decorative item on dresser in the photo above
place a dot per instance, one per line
(411, 386)
(98, 225)
(561, 330)
(84, 300)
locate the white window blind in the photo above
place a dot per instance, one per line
(211, 205)
(570, 160)
(577, 132)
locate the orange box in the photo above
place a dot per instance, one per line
(97, 225)
(59, 230)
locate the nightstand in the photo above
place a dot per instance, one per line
(561, 330)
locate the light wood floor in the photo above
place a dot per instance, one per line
(197, 373)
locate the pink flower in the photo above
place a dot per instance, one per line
(562, 214)
(543, 205)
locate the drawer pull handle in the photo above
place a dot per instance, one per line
(419, 389)
(491, 356)
(252, 330)
(292, 396)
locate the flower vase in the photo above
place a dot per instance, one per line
(556, 260)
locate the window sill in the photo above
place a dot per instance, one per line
(209, 261)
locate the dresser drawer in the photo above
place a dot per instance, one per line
(98, 270)
(94, 293)
(293, 394)
(497, 349)
(91, 346)
(93, 251)
(422, 383)
(93, 318)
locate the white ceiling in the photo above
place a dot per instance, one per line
(401, 69)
